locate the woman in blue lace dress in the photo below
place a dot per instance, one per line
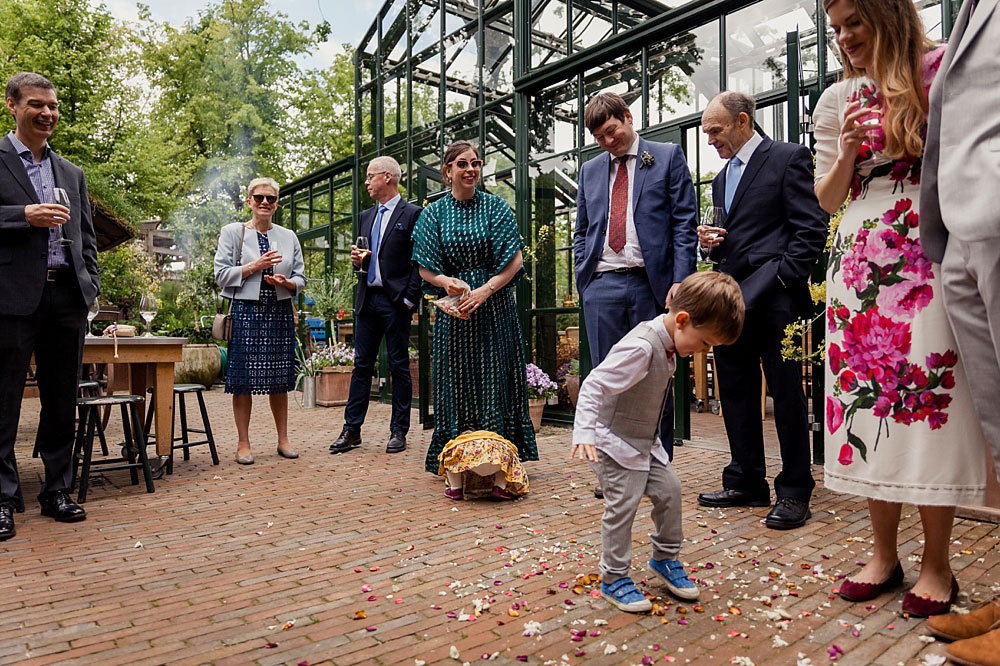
(260, 268)
(471, 237)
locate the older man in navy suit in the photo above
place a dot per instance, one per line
(774, 231)
(635, 237)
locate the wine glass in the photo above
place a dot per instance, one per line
(715, 219)
(275, 247)
(147, 310)
(95, 309)
(62, 198)
(864, 91)
(362, 244)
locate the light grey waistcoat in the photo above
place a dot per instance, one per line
(634, 415)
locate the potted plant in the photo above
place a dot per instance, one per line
(334, 365)
(540, 389)
(305, 380)
(414, 356)
(573, 380)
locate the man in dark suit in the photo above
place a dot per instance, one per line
(774, 231)
(48, 262)
(387, 294)
(635, 231)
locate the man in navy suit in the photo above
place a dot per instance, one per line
(48, 283)
(387, 294)
(774, 231)
(635, 231)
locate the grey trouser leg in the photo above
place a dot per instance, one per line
(623, 490)
(970, 276)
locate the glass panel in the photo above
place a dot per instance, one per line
(591, 25)
(629, 18)
(931, 14)
(394, 32)
(462, 67)
(755, 44)
(458, 14)
(426, 27)
(425, 103)
(773, 120)
(427, 154)
(548, 32)
(623, 76)
(498, 58)
(553, 119)
(393, 105)
(683, 73)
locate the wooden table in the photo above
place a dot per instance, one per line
(143, 355)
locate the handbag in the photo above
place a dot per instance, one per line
(222, 324)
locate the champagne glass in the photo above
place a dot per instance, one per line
(362, 244)
(95, 309)
(275, 247)
(62, 198)
(714, 218)
(147, 310)
(864, 91)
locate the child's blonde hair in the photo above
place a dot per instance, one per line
(714, 301)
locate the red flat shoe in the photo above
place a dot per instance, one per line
(454, 493)
(499, 494)
(924, 607)
(852, 591)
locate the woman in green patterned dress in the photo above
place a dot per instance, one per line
(479, 374)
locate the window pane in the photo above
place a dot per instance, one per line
(755, 44)
(683, 73)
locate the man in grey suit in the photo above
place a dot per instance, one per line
(48, 264)
(960, 228)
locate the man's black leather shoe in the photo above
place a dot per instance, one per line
(728, 497)
(397, 443)
(788, 514)
(6, 523)
(58, 505)
(348, 440)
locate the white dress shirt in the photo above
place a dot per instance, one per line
(631, 254)
(625, 366)
(746, 152)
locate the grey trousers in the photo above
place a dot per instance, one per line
(623, 490)
(970, 276)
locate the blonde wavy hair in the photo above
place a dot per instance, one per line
(897, 56)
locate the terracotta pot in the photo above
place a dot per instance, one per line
(201, 365)
(535, 408)
(333, 386)
(573, 388)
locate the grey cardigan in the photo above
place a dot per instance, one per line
(229, 272)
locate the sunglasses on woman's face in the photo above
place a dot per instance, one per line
(261, 198)
(465, 164)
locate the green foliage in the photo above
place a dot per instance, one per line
(127, 273)
(326, 294)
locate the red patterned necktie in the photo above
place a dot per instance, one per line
(619, 207)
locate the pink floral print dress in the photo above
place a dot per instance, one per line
(900, 424)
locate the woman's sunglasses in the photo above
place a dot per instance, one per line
(465, 164)
(261, 198)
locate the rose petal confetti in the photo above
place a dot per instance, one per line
(271, 645)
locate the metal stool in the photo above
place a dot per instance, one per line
(133, 449)
(184, 441)
(88, 388)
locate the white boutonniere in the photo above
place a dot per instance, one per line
(647, 159)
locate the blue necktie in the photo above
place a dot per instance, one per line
(376, 239)
(733, 180)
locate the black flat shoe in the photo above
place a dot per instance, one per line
(728, 497)
(58, 505)
(348, 440)
(397, 443)
(6, 523)
(788, 514)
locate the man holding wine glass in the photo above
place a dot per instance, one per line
(48, 260)
(388, 290)
(767, 234)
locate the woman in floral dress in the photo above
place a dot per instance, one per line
(900, 425)
(470, 237)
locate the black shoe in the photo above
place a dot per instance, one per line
(397, 443)
(788, 514)
(728, 497)
(58, 505)
(348, 440)
(598, 493)
(6, 523)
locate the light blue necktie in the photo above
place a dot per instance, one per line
(376, 240)
(733, 180)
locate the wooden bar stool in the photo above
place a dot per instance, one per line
(183, 441)
(133, 455)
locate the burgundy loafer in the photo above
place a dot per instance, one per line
(852, 591)
(499, 494)
(454, 493)
(924, 607)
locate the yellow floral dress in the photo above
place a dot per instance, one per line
(483, 447)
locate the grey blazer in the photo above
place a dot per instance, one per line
(229, 271)
(960, 180)
(24, 248)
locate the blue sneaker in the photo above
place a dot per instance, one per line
(625, 595)
(678, 583)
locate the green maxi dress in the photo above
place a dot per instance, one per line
(479, 373)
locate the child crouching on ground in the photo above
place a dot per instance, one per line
(617, 421)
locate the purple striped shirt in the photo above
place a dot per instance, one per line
(44, 182)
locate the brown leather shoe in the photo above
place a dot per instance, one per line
(955, 627)
(979, 651)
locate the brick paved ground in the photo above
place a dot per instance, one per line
(219, 562)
